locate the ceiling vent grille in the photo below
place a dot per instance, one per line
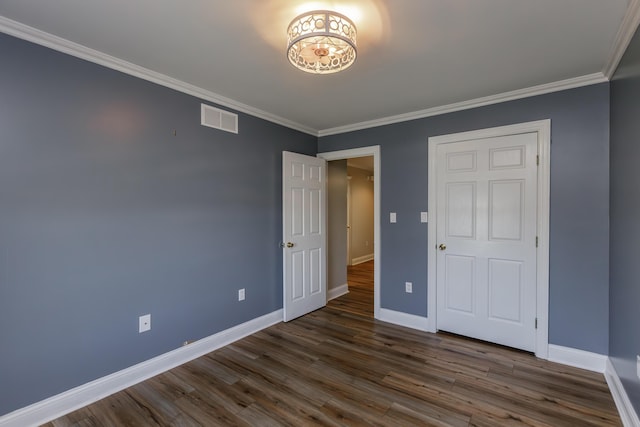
(218, 119)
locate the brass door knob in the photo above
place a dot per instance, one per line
(290, 245)
(442, 246)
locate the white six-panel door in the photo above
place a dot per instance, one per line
(304, 235)
(486, 239)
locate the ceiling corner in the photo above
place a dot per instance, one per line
(623, 38)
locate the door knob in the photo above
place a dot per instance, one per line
(290, 245)
(442, 246)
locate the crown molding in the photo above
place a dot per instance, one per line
(623, 38)
(473, 103)
(42, 38)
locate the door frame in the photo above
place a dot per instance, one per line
(348, 220)
(543, 128)
(365, 152)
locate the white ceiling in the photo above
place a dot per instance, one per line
(413, 54)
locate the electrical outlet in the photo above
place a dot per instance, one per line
(241, 294)
(393, 218)
(424, 217)
(638, 367)
(144, 323)
(408, 287)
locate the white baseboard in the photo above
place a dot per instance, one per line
(361, 259)
(628, 415)
(404, 319)
(577, 358)
(70, 400)
(337, 292)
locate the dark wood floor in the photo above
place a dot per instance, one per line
(359, 300)
(339, 367)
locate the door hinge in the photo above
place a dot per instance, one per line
(536, 323)
(538, 160)
(536, 241)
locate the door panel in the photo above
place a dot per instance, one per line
(296, 212)
(505, 290)
(461, 207)
(461, 162)
(297, 275)
(459, 284)
(315, 273)
(507, 158)
(304, 235)
(486, 231)
(315, 198)
(506, 204)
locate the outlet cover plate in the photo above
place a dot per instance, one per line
(408, 287)
(144, 323)
(241, 294)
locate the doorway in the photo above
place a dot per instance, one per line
(373, 180)
(360, 205)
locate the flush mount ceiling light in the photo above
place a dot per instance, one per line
(321, 42)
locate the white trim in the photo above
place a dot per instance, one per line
(543, 128)
(623, 38)
(364, 152)
(338, 292)
(404, 319)
(577, 358)
(628, 415)
(70, 400)
(575, 82)
(42, 38)
(361, 259)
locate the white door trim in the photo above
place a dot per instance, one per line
(364, 152)
(348, 220)
(543, 128)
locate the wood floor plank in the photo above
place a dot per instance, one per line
(207, 411)
(346, 413)
(339, 367)
(281, 402)
(403, 415)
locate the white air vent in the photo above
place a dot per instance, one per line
(218, 119)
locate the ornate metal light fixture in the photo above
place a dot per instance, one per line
(321, 42)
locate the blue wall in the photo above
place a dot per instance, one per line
(105, 215)
(579, 219)
(624, 336)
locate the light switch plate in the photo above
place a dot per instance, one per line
(392, 218)
(424, 217)
(408, 287)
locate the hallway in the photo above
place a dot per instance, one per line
(359, 300)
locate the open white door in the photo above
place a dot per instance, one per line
(303, 234)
